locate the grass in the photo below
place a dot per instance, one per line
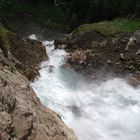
(110, 27)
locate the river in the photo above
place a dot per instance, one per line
(97, 110)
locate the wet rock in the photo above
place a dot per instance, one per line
(109, 61)
(134, 80)
(66, 66)
(130, 43)
(138, 52)
(60, 44)
(90, 52)
(122, 56)
(51, 68)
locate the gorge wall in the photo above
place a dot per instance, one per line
(22, 116)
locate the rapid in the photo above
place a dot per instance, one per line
(95, 110)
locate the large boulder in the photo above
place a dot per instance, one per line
(24, 53)
(22, 116)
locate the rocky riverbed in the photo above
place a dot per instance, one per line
(93, 54)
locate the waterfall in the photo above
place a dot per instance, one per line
(103, 110)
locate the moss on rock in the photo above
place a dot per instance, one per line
(109, 27)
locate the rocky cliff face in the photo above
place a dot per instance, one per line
(22, 116)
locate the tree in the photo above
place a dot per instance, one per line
(137, 10)
(5, 3)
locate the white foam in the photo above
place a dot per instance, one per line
(33, 37)
(106, 111)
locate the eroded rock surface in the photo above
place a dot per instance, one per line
(22, 116)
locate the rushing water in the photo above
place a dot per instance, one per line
(107, 110)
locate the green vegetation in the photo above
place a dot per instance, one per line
(72, 13)
(92, 11)
(110, 27)
(46, 13)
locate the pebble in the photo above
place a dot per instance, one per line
(138, 52)
(122, 56)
